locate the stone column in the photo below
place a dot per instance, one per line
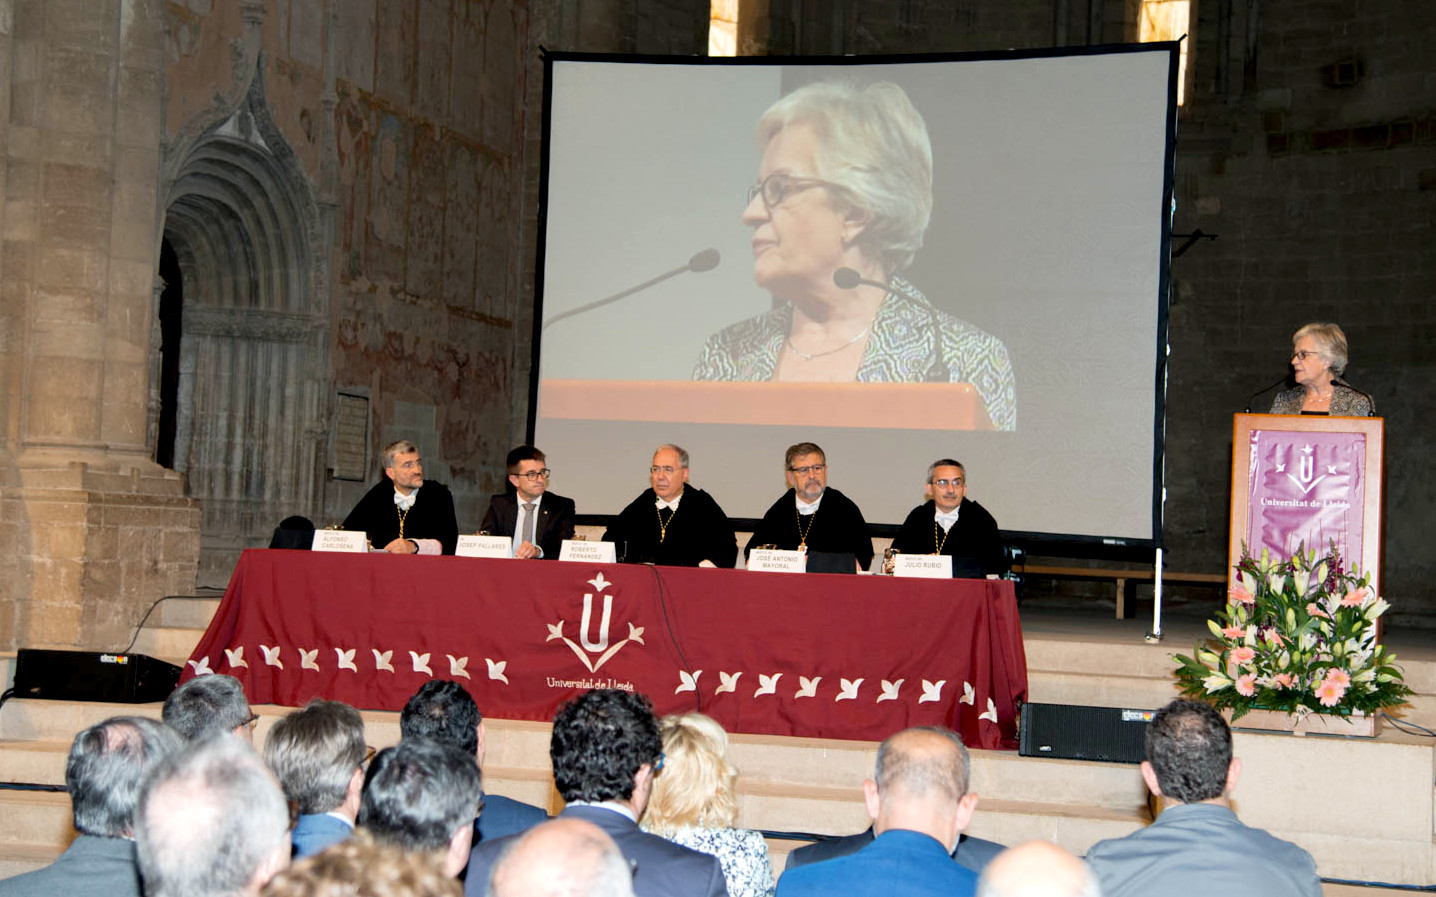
(93, 530)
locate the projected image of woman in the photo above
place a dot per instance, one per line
(844, 195)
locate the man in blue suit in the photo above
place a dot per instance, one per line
(606, 750)
(919, 803)
(318, 754)
(443, 710)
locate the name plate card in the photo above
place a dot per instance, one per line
(485, 547)
(923, 566)
(589, 552)
(772, 560)
(341, 540)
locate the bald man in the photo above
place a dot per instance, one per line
(562, 858)
(1037, 869)
(919, 803)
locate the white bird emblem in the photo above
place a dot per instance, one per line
(307, 659)
(635, 634)
(598, 582)
(555, 630)
(689, 681)
(496, 670)
(383, 659)
(848, 691)
(767, 685)
(202, 667)
(890, 691)
(968, 695)
(236, 657)
(931, 691)
(421, 662)
(271, 656)
(346, 659)
(991, 713)
(808, 688)
(729, 682)
(458, 666)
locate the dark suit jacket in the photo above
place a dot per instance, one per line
(431, 517)
(897, 862)
(504, 816)
(974, 853)
(555, 520)
(664, 868)
(90, 865)
(973, 541)
(316, 831)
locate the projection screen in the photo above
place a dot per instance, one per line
(1041, 281)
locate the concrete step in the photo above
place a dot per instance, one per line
(36, 818)
(7, 670)
(167, 642)
(33, 762)
(1099, 689)
(185, 612)
(17, 859)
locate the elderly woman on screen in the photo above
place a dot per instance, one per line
(843, 198)
(694, 804)
(1318, 359)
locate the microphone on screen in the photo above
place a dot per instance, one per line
(705, 260)
(1265, 389)
(937, 371)
(1340, 381)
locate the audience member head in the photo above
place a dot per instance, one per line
(212, 822)
(318, 754)
(562, 858)
(920, 783)
(362, 867)
(423, 796)
(107, 764)
(605, 744)
(696, 786)
(668, 472)
(443, 710)
(1189, 753)
(209, 704)
(1037, 869)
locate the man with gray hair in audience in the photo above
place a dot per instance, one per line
(562, 858)
(209, 704)
(1037, 869)
(107, 763)
(423, 796)
(318, 753)
(212, 822)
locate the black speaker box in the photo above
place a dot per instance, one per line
(93, 676)
(1075, 732)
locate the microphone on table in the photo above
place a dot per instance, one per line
(1341, 381)
(706, 260)
(937, 371)
(1253, 397)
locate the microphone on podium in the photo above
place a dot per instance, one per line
(705, 260)
(1265, 389)
(937, 371)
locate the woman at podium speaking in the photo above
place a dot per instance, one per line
(842, 202)
(1318, 359)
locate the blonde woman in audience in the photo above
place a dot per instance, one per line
(694, 804)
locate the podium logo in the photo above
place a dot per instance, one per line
(1305, 477)
(593, 649)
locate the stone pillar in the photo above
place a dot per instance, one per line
(93, 530)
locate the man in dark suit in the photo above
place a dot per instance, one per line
(537, 520)
(974, 853)
(404, 513)
(107, 763)
(444, 711)
(810, 516)
(951, 523)
(919, 803)
(422, 796)
(318, 753)
(606, 750)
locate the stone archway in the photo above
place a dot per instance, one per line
(254, 351)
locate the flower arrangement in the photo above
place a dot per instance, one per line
(1297, 635)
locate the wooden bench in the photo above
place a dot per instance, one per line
(1126, 578)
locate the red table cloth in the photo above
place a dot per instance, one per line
(817, 655)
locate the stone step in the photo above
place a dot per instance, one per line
(36, 818)
(7, 670)
(17, 859)
(167, 642)
(185, 611)
(1099, 689)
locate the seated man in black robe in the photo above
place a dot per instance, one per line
(953, 524)
(401, 517)
(673, 523)
(810, 516)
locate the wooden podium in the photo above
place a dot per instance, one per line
(898, 406)
(1311, 480)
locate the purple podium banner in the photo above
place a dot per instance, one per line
(1306, 488)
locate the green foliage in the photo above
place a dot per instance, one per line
(1297, 635)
